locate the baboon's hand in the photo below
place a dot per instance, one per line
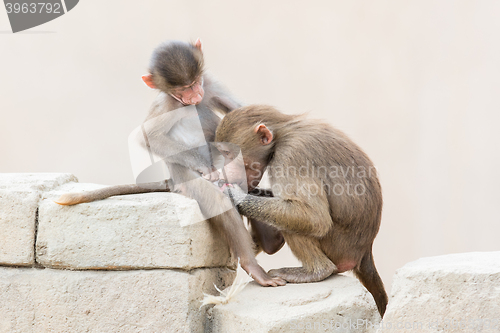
(235, 193)
(211, 174)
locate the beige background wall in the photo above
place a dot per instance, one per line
(415, 83)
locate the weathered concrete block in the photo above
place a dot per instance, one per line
(41, 182)
(46, 300)
(154, 230)
(450, 293)
(19, 197)
(337, 304)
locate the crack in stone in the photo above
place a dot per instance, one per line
(35, 263)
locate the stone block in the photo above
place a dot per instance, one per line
(46, 300)
(153, 230)
(450, 293)
(19, 197)
(337, 304)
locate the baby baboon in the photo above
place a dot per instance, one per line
(177, 71)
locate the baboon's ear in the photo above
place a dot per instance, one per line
(198, 45)
(148, 80)
(265, 135)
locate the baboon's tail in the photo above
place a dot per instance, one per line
(76, 198)
(368, 275)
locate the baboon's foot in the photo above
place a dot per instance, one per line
(300, 274)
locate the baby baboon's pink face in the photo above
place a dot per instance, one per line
(190, 95)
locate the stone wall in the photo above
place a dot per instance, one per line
(141, 263)
(124, 264)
